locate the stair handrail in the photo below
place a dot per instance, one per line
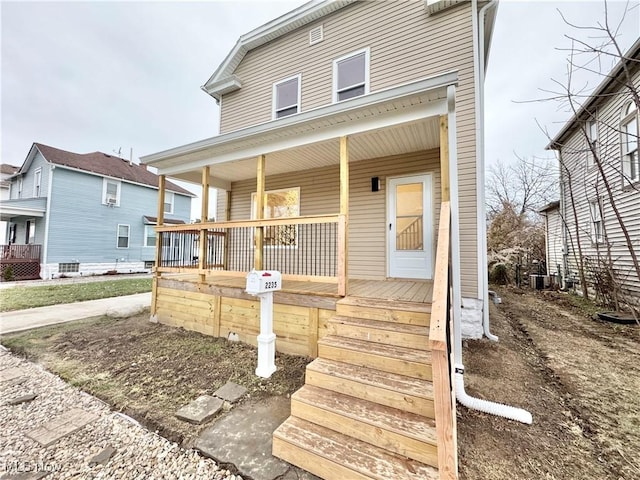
(439, 331)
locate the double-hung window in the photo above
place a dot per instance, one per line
(111, 192)
(20, 187)
(169, 198)
(123, 236)
(592, 139)
(629, 129)
(351, 75)
(597, 229)
(37, 180)
(286, 97)
(149, 235)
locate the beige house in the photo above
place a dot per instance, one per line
(599, 176)
(349, 158)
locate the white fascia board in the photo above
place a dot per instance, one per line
(271, 30)
(9, 211)
(227, 85)
(282, 124)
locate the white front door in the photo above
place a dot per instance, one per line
(409, 226)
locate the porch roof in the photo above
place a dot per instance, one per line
(23, 207)
(389, 122)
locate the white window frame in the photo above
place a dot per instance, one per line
(630, 158)
(37, 182)
(118, 236)
(596, 221)
(591, 128)
(20, 185)
(274, 103)
(336, 62)
(167, 196)
(267, 192)
(146, 236)
(105, 182)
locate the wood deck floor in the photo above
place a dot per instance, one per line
(419, 291)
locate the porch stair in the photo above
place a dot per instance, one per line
(366, 410)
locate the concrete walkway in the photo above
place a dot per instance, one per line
(126, 306)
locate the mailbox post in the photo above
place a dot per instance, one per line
(262, 283)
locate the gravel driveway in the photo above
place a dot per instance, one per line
(139, 453)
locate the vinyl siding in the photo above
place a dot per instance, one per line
(553, 225)
(88, 233)
(320, 195)
(587, 184)
(405, 45)
(28, 177)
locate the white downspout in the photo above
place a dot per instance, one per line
(478, 73)
(468, 401)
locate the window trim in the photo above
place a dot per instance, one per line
(20, 187)
(172, 202)
(146, 237)
(118, 183)
(298, 105)
(591, 161)
(626, 118)
(267, 192)
(367, 65)
(37, 182)
(596, 217)
(118, 236)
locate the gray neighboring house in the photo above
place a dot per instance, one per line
(607, 122)
(83, 214)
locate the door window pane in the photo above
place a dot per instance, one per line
(409, 217)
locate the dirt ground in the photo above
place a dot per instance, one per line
(580, 378)
(148, 370)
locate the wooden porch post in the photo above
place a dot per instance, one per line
(204, 217)
(444, 159)
(259, 232)
(343, 224)
(159, 223)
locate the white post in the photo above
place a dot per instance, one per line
(266, 339)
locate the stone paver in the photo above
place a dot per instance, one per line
(243, 437)
(103, 457)
(200, 410)
(65, 424)
(22, 399)
(231, 392)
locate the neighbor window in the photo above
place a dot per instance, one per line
(279, 204)
(20, 187)
(592, 139)
(149, 236)
(286, 97)
(123, 236)
(37, 179)
(597, 230)
(68, 267)
(169, 198)
(351, 75)
(111, 192)
(629, 129)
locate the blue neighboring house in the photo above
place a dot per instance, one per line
(83, 214)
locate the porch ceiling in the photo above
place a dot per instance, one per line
(405, 138)
(394, 121)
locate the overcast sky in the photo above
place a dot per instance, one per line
(87, 76)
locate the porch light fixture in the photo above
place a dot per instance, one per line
(375, 184)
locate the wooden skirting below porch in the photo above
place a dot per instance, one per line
(221, 308)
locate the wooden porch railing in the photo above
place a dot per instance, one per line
(20, 262)
(26, 253)
(440, 339)
(309, 248)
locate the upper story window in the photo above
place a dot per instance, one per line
(111, 192)
(37, 180)
(592, 137)
(286, 97)
(169, 198)
(351, 75)
(19, 187)
(629, 129)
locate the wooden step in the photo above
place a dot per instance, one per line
(397, 391)
(386, 358)
(385, 310)
(331, 455)
(404, 433)
(388, 333)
